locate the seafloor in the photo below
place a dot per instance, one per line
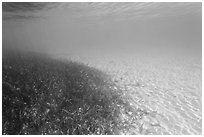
(168, 88)
(100, 94)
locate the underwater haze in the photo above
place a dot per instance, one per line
(62, 28)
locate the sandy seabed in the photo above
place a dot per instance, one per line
(168, 91)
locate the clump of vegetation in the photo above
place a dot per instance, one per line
(47, 96)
